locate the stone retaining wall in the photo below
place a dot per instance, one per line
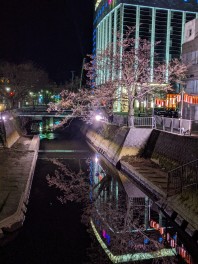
(11, 129)
(168, 149)
(114, 142)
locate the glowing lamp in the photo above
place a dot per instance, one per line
(98, 117)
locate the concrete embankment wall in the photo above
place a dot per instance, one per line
(11, 128)
(114, 142)
(169, 150)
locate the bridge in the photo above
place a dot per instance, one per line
(41, 112)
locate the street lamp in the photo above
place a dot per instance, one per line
(7, 89)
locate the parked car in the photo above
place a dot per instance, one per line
(160, 112)
(172, 113)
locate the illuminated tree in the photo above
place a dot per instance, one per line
(129, 69)
(17, 80)
(86, 103)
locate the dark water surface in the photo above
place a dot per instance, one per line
(52, 232)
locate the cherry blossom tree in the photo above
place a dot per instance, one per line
(86, 103)
(129, 69)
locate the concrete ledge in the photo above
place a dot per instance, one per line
(148, 184)
(35, 143)
(15, 221)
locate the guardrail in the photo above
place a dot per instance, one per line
(174, 125)
(183, 178)
(146, 121)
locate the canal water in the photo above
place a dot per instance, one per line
(53, 232)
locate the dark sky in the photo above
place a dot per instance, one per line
(55, 34)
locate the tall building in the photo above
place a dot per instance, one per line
(190, 56)
(154, 20)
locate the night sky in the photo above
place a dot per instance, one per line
(54, 34)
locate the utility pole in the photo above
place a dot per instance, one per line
(181, 110)
(72, 72)
(182, 102)
(81, 76)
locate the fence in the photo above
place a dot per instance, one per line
(183, 178)
(146, 121)
(173, 125)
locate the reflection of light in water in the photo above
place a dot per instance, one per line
(47, 135)
(50, 135)
(57, 122)
(42, 136)
(135, 256)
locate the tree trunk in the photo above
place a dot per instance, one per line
(131, 113)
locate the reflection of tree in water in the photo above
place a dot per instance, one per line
(118, 220)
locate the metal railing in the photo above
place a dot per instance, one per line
(144, 121)
(174, 125)
(183, 178)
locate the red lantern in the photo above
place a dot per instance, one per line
(172, 243)
(161, 230)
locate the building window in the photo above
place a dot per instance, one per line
(190, 32)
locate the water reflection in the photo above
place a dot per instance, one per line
(46, 125)
(127, 223)
(121, 218)
(45, 128)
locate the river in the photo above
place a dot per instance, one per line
(53, 232)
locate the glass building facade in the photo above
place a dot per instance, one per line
(155, 20)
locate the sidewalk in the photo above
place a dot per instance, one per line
(16, 172)
(151, 176)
